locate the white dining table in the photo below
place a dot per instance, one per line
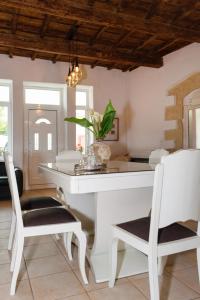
(121, 192)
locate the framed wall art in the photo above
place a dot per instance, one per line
(113, 135)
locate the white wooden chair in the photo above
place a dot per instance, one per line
(156, 155)
(29, 204)
(176, 197)
(41, 222)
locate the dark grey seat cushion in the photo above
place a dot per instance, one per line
(173, 232)
(47, 216)
(39, 202)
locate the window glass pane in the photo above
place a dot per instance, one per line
(36, 141)
(80, 132)
(49, 141)
(197, 128)
(81, 98)
(80, 113)
(40, 96)
(4, 93)
(3, 128)
(190, 128)
(42, 120)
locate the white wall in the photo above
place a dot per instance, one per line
(139, 97)
(107, 85)
(148, 98)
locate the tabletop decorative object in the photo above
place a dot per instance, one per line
(100, 125)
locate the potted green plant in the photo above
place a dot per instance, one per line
(99, 125)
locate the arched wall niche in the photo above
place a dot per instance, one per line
(176, 111)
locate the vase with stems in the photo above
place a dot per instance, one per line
(99, 125)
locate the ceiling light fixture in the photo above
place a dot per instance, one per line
(74, 73)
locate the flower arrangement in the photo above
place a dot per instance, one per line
(98, 124)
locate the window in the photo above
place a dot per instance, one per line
(84, 102)
(42, 95)
(194, 127)
(5, 116)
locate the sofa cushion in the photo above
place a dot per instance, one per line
(3, 180)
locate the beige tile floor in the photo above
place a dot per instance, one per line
(46, 272)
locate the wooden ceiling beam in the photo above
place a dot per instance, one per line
(54, 60)
(167, 45)
(14, 23)
(83, 51)
(153, 9)
(133, 68)
(94, 64)
(185, 11)
(91, 3)
(123, 38)
(97, 35)
(104, 17)
(44, 26)
(10, 53)
(146, 42)
(33, 56)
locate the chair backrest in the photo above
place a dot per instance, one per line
(156, 155)
(13, 188)
(176, 193)
(69, 155)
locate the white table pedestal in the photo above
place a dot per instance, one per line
(102, 200)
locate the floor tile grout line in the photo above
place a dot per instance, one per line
(29, 280)
(71, 269)
(187, 285)
(138, 288)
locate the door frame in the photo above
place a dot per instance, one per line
(61, 130)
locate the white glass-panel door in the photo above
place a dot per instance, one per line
(42, 147)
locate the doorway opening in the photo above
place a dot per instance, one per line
(44, 131)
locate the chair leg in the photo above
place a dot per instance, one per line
(12, 231)
(67, 238)
(82, 253)
(13, 253)
(113, 262)
(20, 245)
(198, 262)
(153, 277)
(161, 264)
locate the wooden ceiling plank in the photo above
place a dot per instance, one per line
(91, 3)
(167, 45)
(45, 26)
(153, 9)
(14, 23)
(146, 42)
(184, 11)
(97, 35)
(63, 48)
(123, 38)
(108, 18)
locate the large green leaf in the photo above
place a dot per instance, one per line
(80, 121)
(108, 118)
